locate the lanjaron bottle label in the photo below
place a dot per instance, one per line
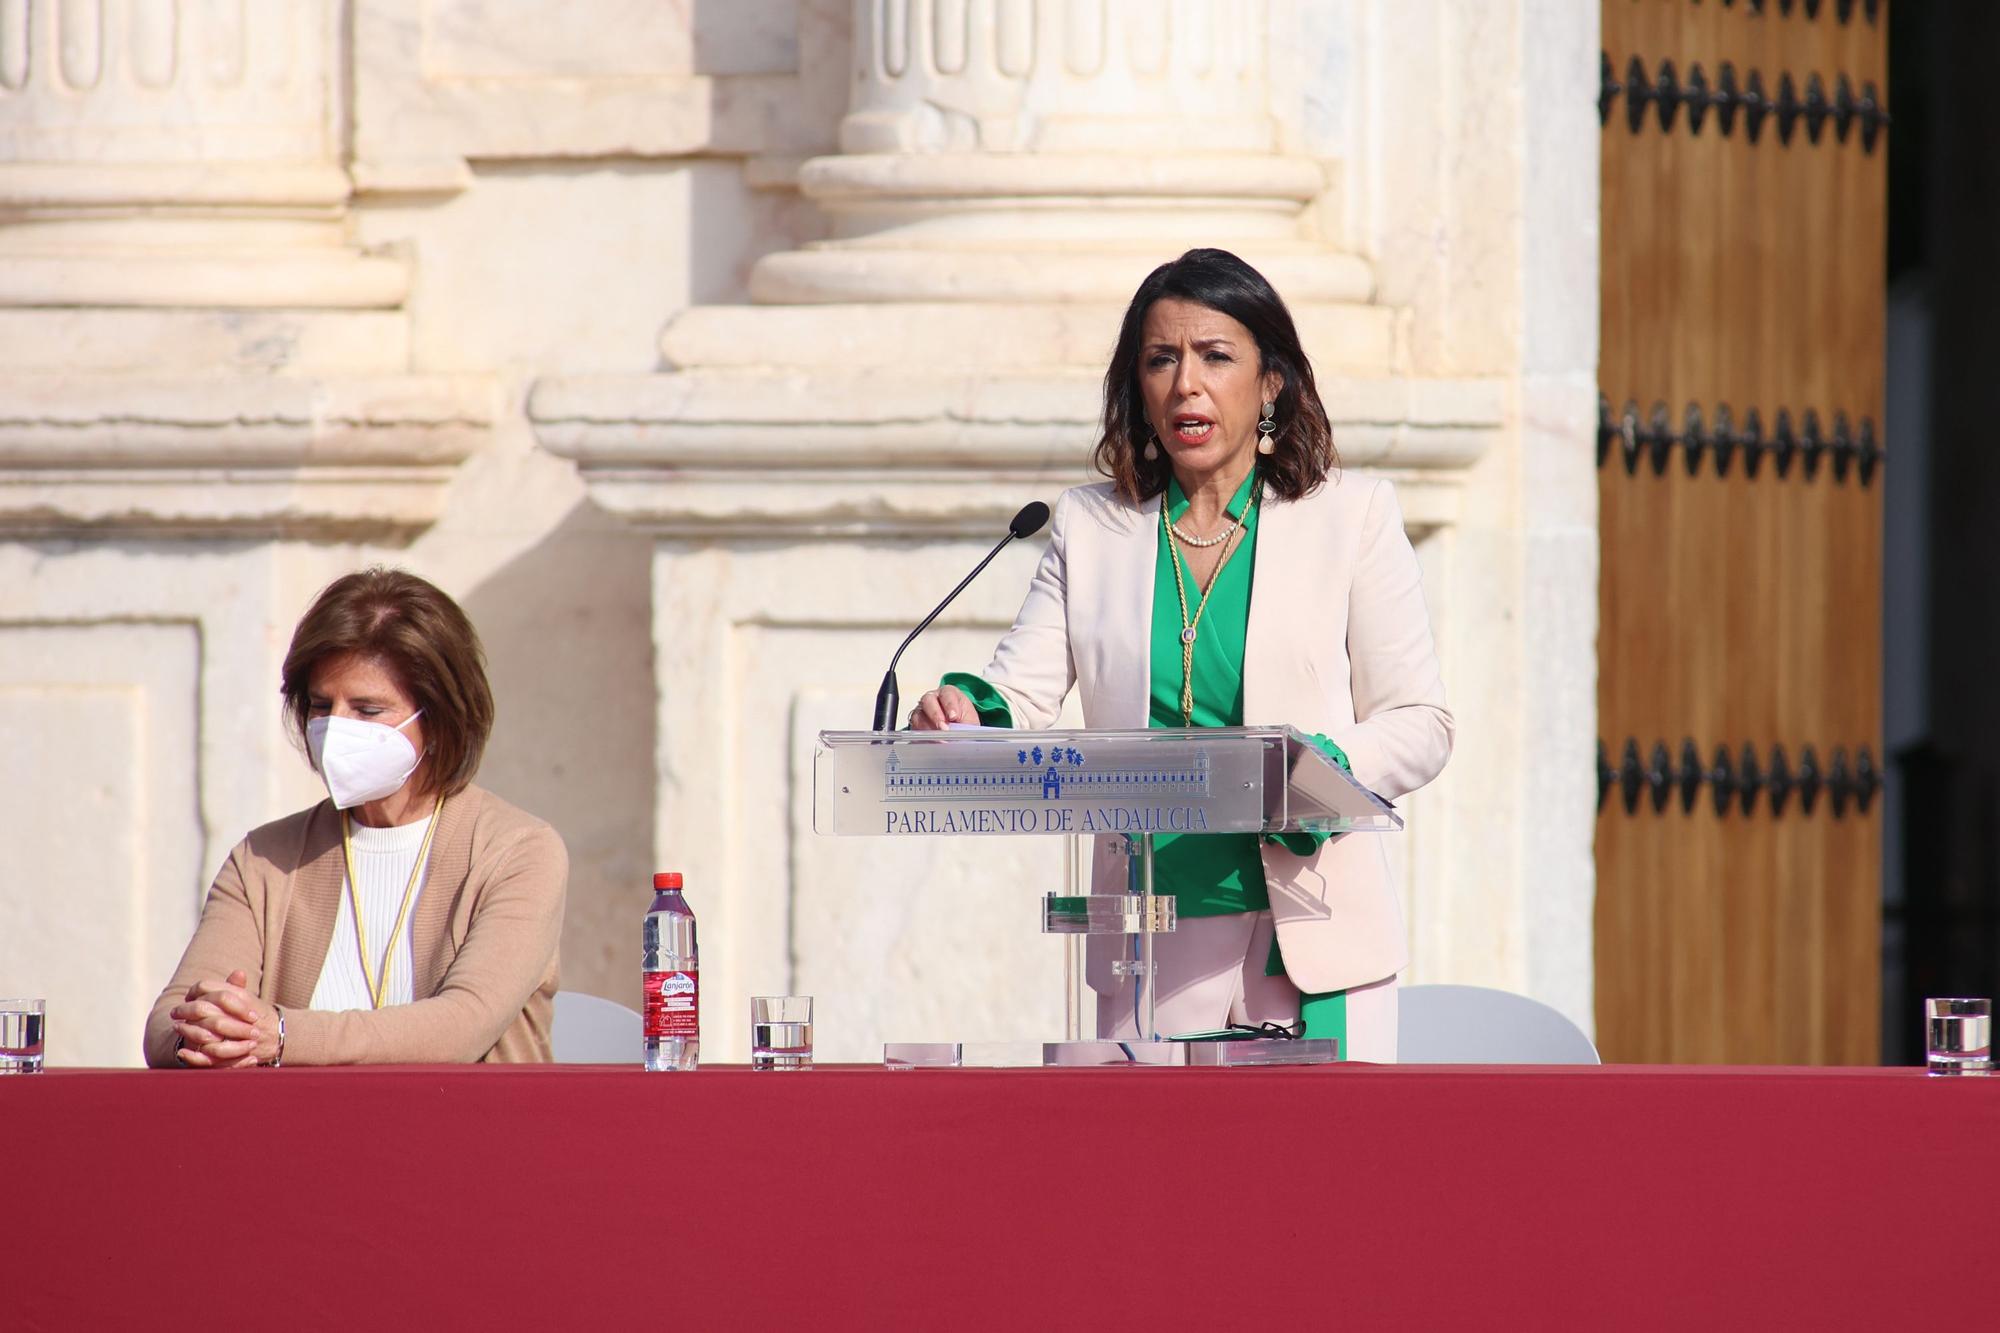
(673, 1004)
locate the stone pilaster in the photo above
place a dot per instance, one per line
(174, 154)
(1054, 150)
(174, 212)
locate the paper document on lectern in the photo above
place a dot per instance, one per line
(1159, 780)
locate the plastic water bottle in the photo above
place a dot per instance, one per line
(672, 979)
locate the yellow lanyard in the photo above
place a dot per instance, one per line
(378, 986)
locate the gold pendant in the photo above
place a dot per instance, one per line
(1187, 635)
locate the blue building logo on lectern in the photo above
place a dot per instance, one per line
(1052, 776)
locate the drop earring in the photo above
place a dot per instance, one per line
(1267, 426)
(1152, 449)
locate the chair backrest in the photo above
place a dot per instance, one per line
(591, 1030)
(1476, 1025)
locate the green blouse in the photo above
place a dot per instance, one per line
(1218, 873)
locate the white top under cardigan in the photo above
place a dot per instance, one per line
(383, 858)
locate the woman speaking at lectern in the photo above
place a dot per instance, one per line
(409, 918)
(1230, 574)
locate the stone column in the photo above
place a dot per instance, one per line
(175, 237)
(172, 153)
(1047, 149)
(1058, 76)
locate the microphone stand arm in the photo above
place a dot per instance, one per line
(887, 699)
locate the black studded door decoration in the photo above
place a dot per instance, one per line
(1656, 780)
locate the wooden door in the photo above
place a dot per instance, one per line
(1740, 478)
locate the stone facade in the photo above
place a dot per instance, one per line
(696, 348)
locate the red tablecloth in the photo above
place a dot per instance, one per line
(585, 1197)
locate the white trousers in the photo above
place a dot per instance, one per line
(1211, 973)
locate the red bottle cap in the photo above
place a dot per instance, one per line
(667, 879)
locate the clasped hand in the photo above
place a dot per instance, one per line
(223, 1026)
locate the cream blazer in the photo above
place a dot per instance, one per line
(1339, 642)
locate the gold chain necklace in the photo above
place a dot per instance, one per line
(1191, 625)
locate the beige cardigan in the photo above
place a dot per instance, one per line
(483, 939)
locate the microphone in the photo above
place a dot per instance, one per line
(1024, 524)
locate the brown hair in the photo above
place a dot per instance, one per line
(428, 644)
(1303, 456)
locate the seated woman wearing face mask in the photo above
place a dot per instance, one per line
(409, 918)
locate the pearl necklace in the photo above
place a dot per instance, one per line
(1192, 540)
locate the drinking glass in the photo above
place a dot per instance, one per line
(781, 1032)
(21, 1027)
(1958, 1036)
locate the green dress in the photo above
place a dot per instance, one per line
(1217, 873)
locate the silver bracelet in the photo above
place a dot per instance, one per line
(279, 1059)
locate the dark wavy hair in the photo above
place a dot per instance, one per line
(427, 642)
(1304, 455)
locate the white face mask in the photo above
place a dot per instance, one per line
(361, 761)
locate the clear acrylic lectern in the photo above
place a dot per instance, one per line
(972, 782)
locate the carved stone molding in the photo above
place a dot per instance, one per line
(177, 278)
(985, 336)
(442, 83)
(322, 460)
(882, 452)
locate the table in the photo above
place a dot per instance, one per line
(601, 1197)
